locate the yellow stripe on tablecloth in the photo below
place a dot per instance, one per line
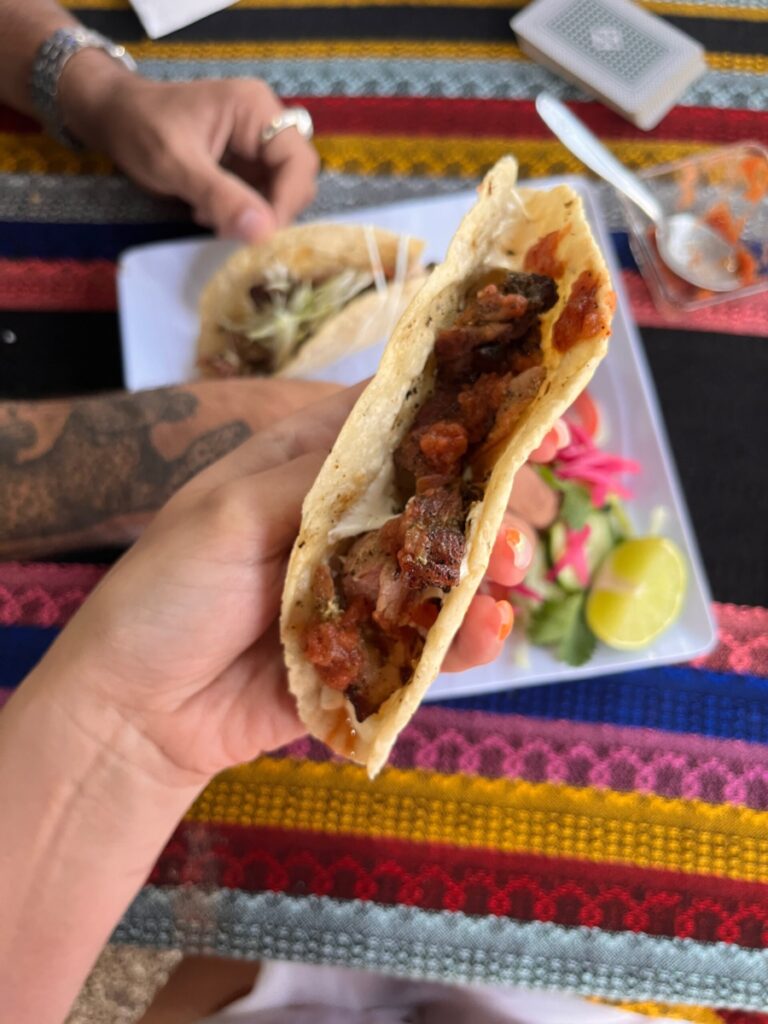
(692, 10)
(326, 49)
(646, 830)
(471, 157)
(693, 1014)
(453, 156)
(37, 154)
(721, 11)
(752, 63)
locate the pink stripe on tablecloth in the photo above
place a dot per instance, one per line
(742, 641)
(48, 594)
(747, 316)
(441, 739)
(578, 754)
(44, 593)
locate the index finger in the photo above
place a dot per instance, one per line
(292, 164)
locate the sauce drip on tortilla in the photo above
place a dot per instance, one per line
(581, 316)
(542, 256)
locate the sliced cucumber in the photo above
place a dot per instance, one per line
(597, 545)
(536, 577)
(620, 521)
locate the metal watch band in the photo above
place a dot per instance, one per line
(51, 59)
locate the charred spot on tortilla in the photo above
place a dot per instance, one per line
(486, 366)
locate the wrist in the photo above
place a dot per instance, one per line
(84, 828)
(66, 706)
(87, 86)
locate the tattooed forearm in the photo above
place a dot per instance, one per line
(100, 461)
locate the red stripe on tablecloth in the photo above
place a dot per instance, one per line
(478, 882)
(44, 594)
(64, 285)
(438, 116)
(742, 645)
(90, 286)
(418, 115)
(11, 121)
(748, 316)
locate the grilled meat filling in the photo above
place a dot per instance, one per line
(375, 605)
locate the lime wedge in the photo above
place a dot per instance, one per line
(637, 593)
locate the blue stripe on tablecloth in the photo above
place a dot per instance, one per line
(24, 240)
(450, 945)
(21, 647)
(675, 698)
(37, 240)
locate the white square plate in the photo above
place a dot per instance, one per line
(158, 287)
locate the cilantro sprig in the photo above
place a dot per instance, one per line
(560, 623)
(576, 505)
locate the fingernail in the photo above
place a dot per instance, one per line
(520, 547)
(249, 226)
(507, 616)
(562, 434)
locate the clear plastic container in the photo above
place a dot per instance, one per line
(727, 188)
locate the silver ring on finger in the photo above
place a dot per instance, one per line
(292, 117)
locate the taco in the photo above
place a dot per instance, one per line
(309, 295)
(397, 530)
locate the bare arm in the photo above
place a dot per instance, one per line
(169, 137)
(170, 672)
(89, 813)
(90, 472)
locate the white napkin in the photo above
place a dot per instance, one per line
(291, 993)
(159, 17)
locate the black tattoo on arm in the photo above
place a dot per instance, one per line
(103, 463)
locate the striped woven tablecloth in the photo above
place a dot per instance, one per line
(608, 836)
(408, 99)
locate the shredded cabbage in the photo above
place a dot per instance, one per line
(295, 309)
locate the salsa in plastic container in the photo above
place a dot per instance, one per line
(728, 189)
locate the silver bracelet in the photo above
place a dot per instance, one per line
(51, 59)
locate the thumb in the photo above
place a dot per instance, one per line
(224, 202)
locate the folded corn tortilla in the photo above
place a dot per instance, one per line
(312, 252)
(352, 487)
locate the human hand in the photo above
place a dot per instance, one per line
(490, 617)
(181, 640)
(171, 138)
(259, 402)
